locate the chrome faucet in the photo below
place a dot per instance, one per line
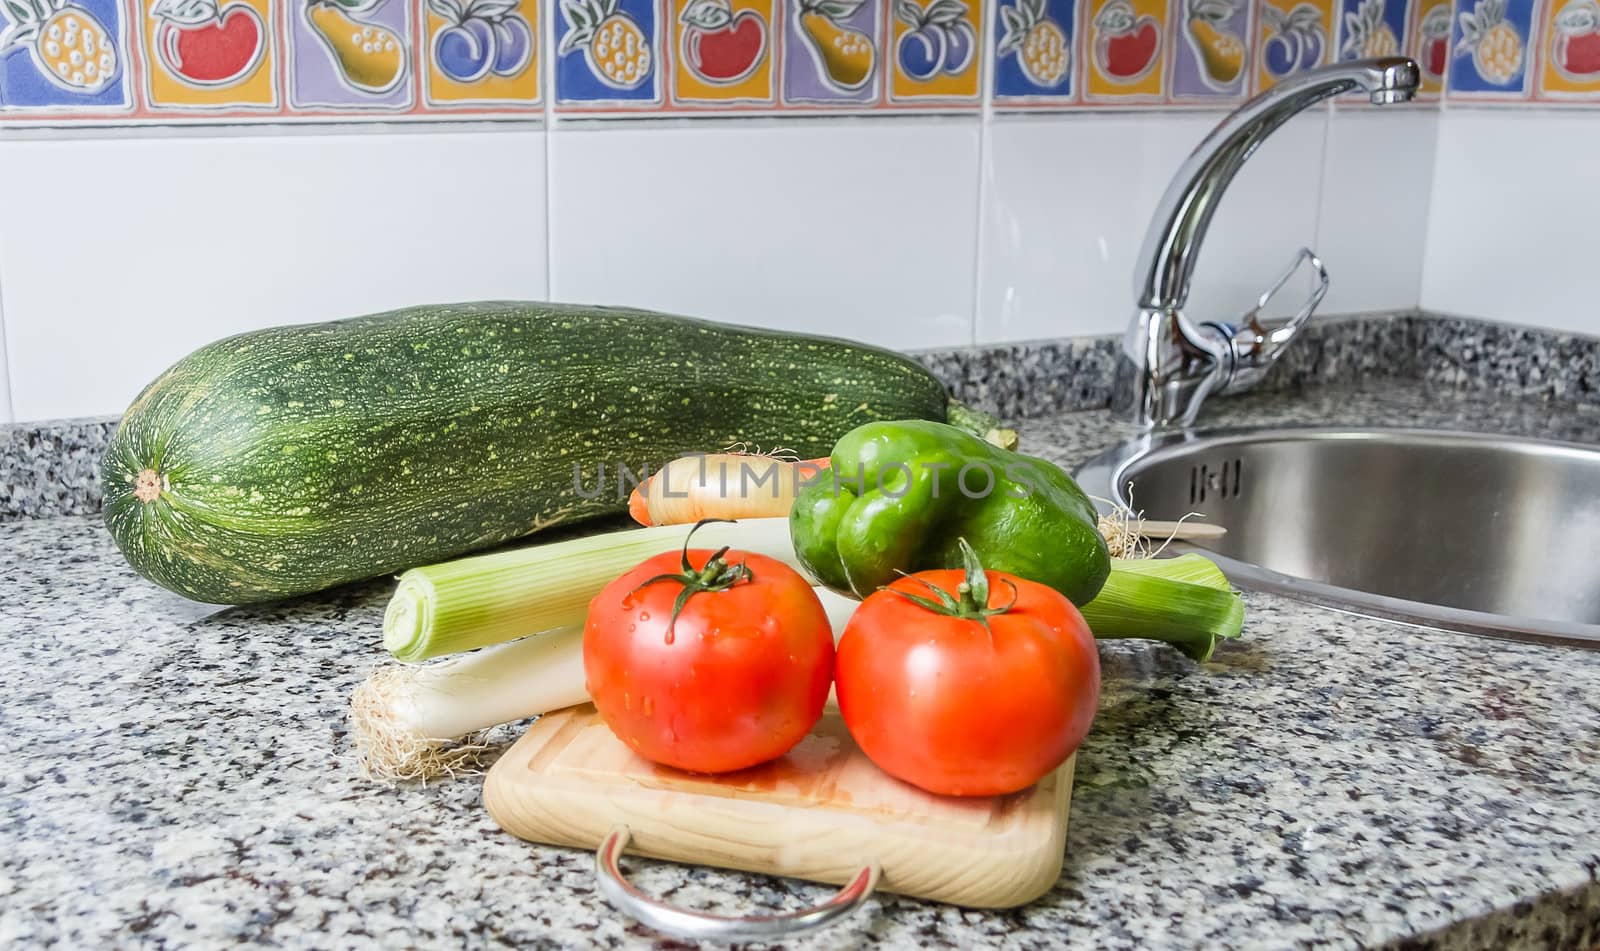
(1169, 364)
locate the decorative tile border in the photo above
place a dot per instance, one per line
(678, 57)
(130, 62)
(1522, 51)
(1212, 53)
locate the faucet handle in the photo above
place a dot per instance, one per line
(1256, 343)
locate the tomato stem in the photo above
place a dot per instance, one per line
(971, 600)
(716, 575)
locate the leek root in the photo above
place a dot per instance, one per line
(418, 721)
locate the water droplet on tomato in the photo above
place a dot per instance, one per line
(644, 615)
(649, 707)
(668, 638)
(627, 701)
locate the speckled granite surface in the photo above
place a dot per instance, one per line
(1508, 359)
(1030, 379)
(175, 779)
(51, 468)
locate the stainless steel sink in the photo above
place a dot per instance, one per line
(1482, 534)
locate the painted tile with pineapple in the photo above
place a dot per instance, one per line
(117, 62)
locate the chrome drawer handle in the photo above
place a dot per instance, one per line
(695, 926)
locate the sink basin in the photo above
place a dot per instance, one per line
(1473, 533)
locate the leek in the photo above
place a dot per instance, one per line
(476, 602)
(485, 600)
(422, 721)
(419, 721)
(1184, 601)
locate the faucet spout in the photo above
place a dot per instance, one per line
(1169, 364)
(1166, 261)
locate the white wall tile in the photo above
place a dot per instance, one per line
(1266, 216)
(854, 228)
(5, 376)
(122, 254)
(125, 254)
(1511, 224)
(1067, 200)
(1375, 193)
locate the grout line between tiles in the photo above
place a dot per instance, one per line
(1434, 185)
(8, 397)
(1328, 114)
(547, 66)
(8, 392)
(549, 194)
(1427, 214)
(985, 119)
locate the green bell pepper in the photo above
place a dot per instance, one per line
(899, 496)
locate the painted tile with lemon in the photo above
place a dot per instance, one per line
(1209, 58)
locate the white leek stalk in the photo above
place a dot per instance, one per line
(422, 721)
(475, 602)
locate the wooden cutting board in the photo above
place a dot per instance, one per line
(820, 813)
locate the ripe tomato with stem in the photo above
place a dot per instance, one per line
(967, 682)
(708, 661)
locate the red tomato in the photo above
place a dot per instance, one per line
(738, 679)
(945, 704)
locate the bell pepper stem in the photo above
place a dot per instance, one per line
(981, 424)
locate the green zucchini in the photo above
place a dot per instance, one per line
(289, 460)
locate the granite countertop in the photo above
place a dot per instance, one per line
(176, 777)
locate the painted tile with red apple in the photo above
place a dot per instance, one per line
(1126, 51)
(1570, 48)
(209, 55)
(723, 52)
